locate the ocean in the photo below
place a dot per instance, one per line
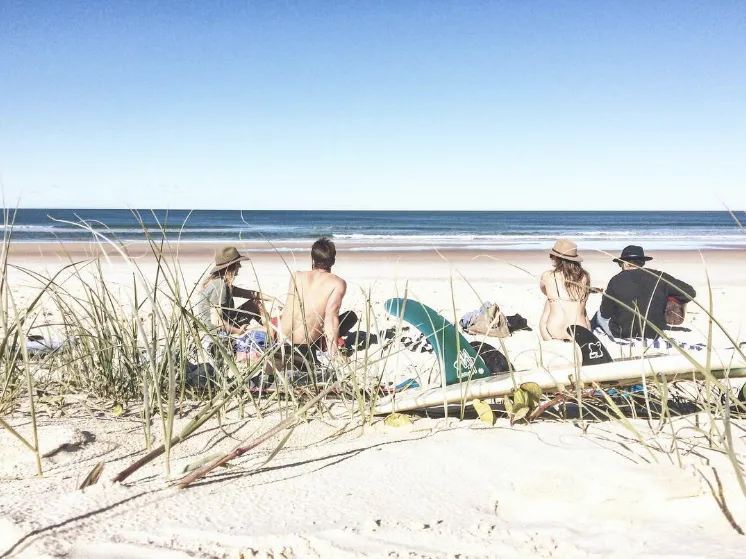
(388, 230)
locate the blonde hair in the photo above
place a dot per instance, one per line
(576, 278)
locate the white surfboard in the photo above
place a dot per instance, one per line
(723, 364)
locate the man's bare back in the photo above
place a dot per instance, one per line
(312, 307)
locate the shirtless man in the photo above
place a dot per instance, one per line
(311, 311)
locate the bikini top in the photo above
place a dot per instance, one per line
(558, 299)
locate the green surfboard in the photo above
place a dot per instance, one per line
(459, 361)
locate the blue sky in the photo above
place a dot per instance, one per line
(374, 105)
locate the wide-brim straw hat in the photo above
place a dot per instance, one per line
(225, 257)
(566, 250)
(633, 253)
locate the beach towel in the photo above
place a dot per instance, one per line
(38, 345)
(251, 345)
(253, 340)
(648, 343)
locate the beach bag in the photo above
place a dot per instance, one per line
(491, 322)
(675, 311)
(494, 359)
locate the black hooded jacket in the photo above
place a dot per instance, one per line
(646, 291)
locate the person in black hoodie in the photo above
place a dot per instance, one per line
(644, 291)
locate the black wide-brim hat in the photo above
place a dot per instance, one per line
(633, 253)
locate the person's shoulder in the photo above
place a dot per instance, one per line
(303, 276)
(338, 281)
(213, 289)
(214, 283)
(300, 278)
(547, 274)
(651, 274)
(618, 279)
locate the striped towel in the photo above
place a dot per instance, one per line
(649, 343)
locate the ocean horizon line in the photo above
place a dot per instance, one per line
(477, 229)
(342, 210)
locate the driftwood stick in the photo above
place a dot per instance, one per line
(558, 399)
(201, 418)
(246, 446)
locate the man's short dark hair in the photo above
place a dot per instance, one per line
(323, 254)
(638, 263)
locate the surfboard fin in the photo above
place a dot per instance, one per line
(593, 351)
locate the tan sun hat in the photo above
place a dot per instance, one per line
(566, 250)
(226, 256)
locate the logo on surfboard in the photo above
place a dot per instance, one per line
(595, 350)
(465, 364)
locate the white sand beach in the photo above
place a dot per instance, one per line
(344, 487)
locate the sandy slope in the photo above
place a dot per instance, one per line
(434, 489)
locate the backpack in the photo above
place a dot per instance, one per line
(494, 359)
(675, 311)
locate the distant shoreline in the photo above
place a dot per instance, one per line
(358, 251)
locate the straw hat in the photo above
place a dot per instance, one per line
(566, 250)
(633, 253)
(226, 256)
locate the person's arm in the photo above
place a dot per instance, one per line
(255, 295)
(269, 299)
(224, 295)
(542, 282)
(608, 304)
(231, 329)
(291, 292)
(244, 293)
(258, 298)
(331, 317)
(679, 289)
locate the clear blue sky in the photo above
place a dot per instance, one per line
(374, 105)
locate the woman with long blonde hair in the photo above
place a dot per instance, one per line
(566, 287)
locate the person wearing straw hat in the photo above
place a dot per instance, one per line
(634, 304)
(215, 306)
(566, 287)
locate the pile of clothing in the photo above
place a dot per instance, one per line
(489, 320)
